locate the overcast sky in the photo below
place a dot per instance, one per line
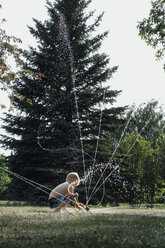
(139, 76)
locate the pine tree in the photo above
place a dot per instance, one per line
(57, 131)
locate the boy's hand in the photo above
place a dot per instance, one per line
(76, 195)
(80, 208)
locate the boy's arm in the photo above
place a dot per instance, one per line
(71, 191)
(73, 196)
(75, 203)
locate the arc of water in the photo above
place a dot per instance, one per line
(97, 143)
(103, 191)
(34, 184)
(59, 149)
(31, 182)
(118, 165)
(65, 38)
(64, 34)
(114, 152)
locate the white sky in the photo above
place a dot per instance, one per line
(139, 76)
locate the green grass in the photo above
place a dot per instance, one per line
(40, 227)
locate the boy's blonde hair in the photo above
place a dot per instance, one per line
(73, 177)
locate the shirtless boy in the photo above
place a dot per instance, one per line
(64, 194)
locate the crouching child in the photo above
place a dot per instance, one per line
(63, 194)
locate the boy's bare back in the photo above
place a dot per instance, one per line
(60, 190)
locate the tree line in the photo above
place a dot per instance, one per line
(64, 118)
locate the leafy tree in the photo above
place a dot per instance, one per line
(161, 155)
(4, 178)
(9, 48)
(45, 137)
(147, 119)
(138, 169)
(114, 186)
(160, 158)
(152, 29)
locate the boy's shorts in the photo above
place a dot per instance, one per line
(55, 202)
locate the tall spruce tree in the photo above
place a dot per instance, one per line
(57, 132)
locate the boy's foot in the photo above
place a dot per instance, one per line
(64, 210)
(57, 210)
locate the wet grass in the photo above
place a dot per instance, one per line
(40, 227)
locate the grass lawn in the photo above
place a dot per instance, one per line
(40, 227)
